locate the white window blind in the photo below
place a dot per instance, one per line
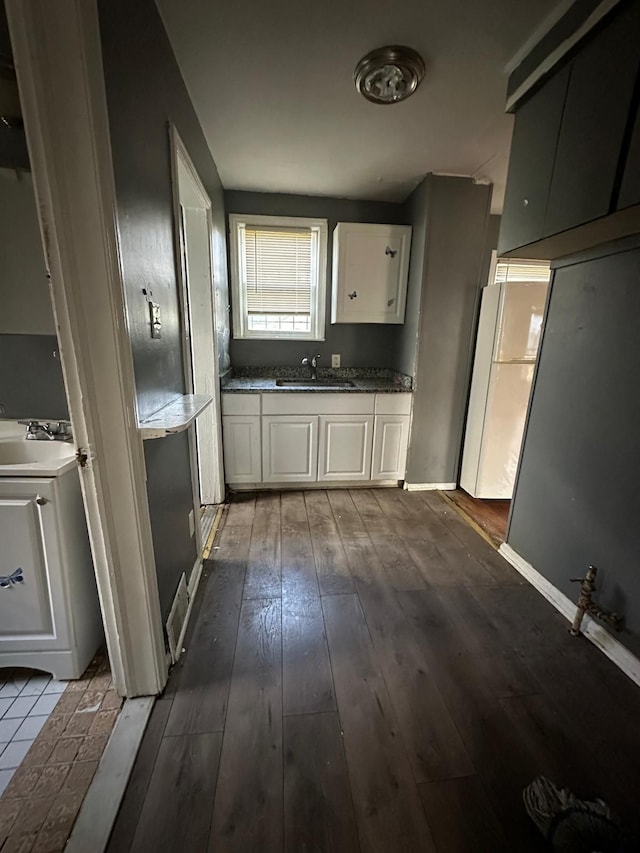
(278, 270)
(278, 277)
(508, 269)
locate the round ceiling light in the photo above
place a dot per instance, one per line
(390, 74)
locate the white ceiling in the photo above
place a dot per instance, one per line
(272, 85)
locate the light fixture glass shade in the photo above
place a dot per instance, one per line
(390, 74)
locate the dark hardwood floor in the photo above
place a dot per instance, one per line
(363, 672)
(491, 516)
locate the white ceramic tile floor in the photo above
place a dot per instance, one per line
(25, 705)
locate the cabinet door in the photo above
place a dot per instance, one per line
(593, 124)
(345, 447)
(30, 581)
(630, 187)
(370, 267)
(535, 136)
(390, 440)
(289, 448)
(241, 443)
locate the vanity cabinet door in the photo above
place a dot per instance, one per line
(30, 564)
(242, 450)
(370, 268)
(345, 447)
(390, 441)
(289, 448)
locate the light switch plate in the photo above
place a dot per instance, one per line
(156, 322)
(335, 359)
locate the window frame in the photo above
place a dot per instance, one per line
(318, 288)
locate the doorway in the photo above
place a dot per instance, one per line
(509, 334)
(194, 230)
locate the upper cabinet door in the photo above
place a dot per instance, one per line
(370, 268)
(594, 121)
(535, 136)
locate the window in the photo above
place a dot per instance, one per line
(278, 275)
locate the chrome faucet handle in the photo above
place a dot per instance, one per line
(314, 360)
(305, 360)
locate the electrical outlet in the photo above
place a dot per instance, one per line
(335, 359)
(192, 525)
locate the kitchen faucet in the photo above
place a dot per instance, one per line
(313, 365)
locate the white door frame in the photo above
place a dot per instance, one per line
(180, 157)
(58, 61)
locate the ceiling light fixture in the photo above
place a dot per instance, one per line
(389, 74)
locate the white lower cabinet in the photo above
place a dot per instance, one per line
(345, 447)
(319, 437)
(289, 448)
(390, 439)
(49, 611)
(242, 448)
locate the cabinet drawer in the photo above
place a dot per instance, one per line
(315, 403)
(240, 404)
(393, 404)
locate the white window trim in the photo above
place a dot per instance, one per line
(238, 299)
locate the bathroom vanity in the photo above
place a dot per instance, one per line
(49, 611)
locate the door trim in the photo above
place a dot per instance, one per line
(179, 153)
(58, 57)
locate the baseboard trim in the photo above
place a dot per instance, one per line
(316, 484)
(430, 487)
(99, 810)
(592, 630)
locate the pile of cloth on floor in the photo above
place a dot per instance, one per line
(572, 825)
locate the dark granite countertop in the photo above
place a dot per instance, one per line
(364, 380)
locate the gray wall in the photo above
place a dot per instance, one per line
(416, 208)
(31, 383)
(577, 500)
(26, 303)
(359, 344)
(456, 220)
(145, 92)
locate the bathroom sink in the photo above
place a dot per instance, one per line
(19, 457)
(327, 384)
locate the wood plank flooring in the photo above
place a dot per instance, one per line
(363, 672)
(490, 515)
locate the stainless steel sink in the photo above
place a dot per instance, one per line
(327, 384)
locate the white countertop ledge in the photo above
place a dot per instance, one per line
(176, 416)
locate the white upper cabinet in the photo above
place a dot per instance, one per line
(370, 268)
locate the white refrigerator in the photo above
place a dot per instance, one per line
(509, 331)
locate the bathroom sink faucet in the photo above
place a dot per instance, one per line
(37, 430)
(313, 365)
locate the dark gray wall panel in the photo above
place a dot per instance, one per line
(360, 345)
(163, 457)
(145, 92)
(577, 500)
(31, 383)
(457, 215)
